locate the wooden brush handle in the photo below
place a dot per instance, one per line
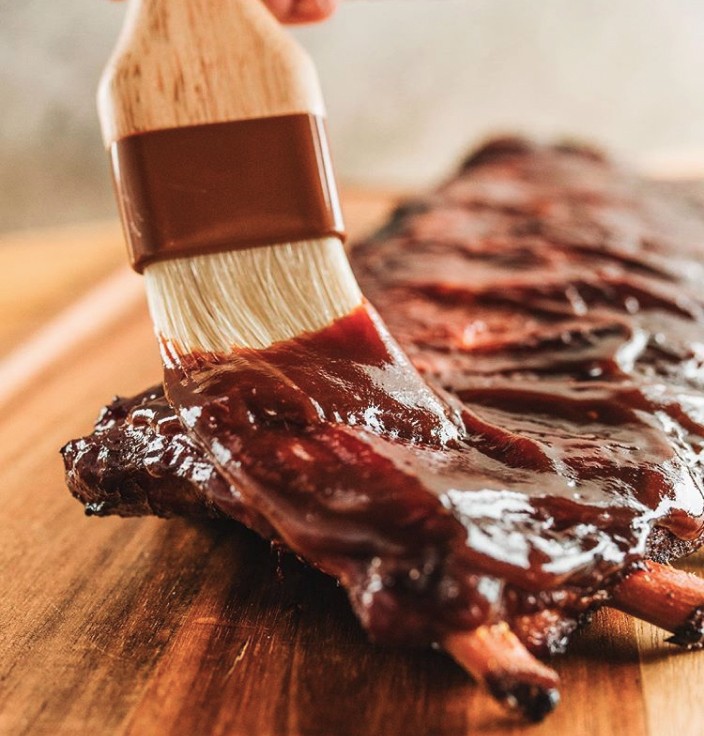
(188, 62)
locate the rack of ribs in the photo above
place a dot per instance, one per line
(509, 438)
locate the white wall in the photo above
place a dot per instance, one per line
(409, 85)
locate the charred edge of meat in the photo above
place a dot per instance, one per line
(534, 702)
(690, 635)
(663, 546)
(516, 146)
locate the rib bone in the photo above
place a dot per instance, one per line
(666, 597)
(495, 657)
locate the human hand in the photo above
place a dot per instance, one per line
(301, 11)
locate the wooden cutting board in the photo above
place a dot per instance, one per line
(142, 626)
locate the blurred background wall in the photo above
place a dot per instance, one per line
(410, 84)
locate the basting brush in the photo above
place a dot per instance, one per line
(214, 121)
(215, 124)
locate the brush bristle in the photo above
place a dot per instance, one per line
(250, 298)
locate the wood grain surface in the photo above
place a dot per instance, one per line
(143, 626)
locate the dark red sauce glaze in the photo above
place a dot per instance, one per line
(553, 306)
(337, 441)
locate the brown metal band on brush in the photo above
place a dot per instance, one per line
(225, 186)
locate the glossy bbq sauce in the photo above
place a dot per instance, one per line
(553, 305)
(428, 510)
(336, 440)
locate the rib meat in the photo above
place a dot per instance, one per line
(552, 304)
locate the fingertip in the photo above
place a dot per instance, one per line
(303, 11)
